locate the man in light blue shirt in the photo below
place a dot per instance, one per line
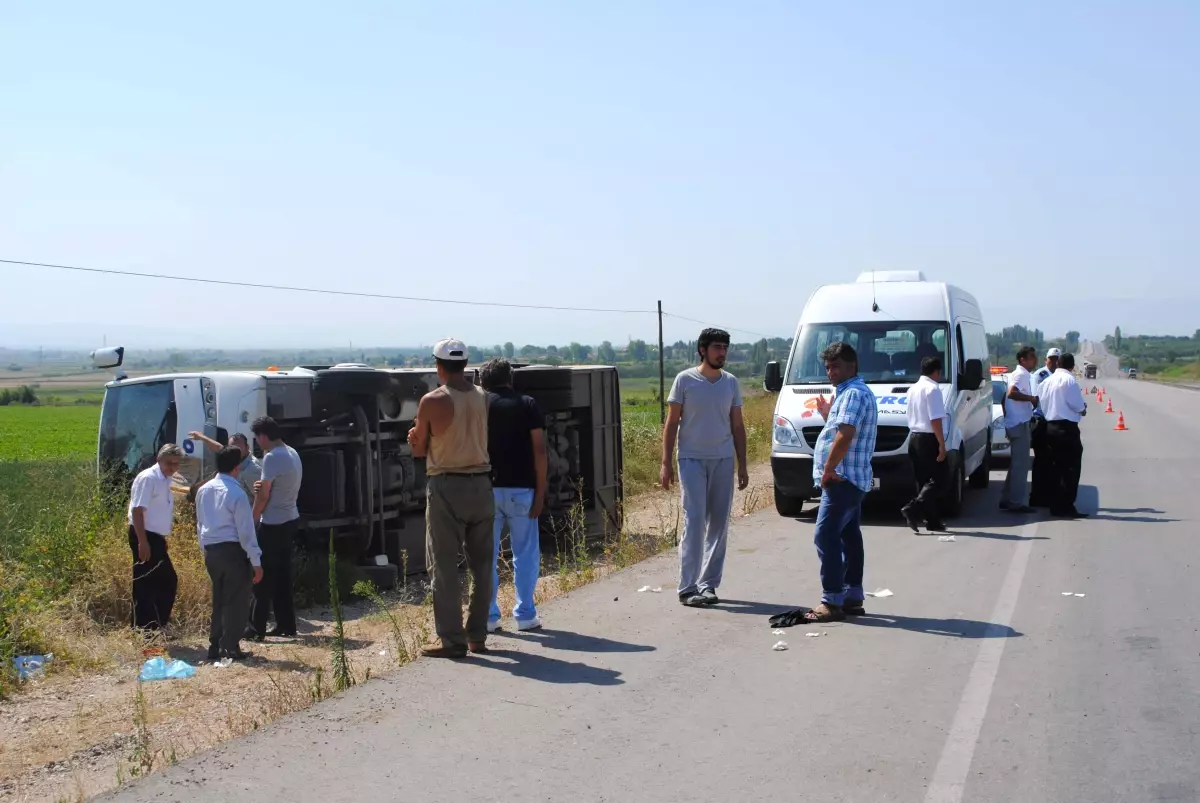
(225, 524)
(842, 467)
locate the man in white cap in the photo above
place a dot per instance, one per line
(1040, 494)
(451, 433)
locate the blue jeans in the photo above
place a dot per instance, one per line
(512, 508)
(840, 543)
(707, 488)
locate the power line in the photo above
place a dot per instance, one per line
(323, 291)
(709, 323)
(362, 294)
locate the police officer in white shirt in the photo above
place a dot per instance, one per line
(1040, 492)
(1019, 402)
(1062, 402)
(225, 524)
(927, 421)
(151, 513)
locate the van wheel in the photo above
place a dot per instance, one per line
(789, 506)
(983, 474)
(952, 502)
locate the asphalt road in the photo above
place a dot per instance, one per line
(977, 681)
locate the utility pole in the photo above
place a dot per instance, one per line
(662, 375)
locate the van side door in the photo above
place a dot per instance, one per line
(976, 405)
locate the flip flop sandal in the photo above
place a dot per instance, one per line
(824, 613)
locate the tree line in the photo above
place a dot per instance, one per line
(22, 395)
(1153, 353)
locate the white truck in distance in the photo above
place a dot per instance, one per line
(350, 423)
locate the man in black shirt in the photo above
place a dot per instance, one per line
(517, 450)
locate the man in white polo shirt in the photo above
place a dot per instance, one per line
(1018, 413)
(1062, 401)
(151, 513)
(927, 421)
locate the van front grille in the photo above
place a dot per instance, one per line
(887, 439)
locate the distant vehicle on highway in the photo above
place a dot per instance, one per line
(1089, 370)
(1133, 373)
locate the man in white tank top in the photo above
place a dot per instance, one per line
(450, 432)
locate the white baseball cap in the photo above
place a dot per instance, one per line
(450, 349)
(1054, 353)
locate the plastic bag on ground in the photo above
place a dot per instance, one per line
(29, 667)
(160, 669)
(883, 592)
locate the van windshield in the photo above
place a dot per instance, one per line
(887, 351)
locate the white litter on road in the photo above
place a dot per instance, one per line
(643, 589)
(383, 652)
(1066, 593)
(814, 635)
(883, 592)
(778, 633)
(656, 590)
(780, 646)
(945, 537)
(1081, 595)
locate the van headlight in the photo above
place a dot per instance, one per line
(785, 433)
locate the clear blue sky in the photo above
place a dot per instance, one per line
(724, 157)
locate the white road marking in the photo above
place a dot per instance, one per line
(950, 777)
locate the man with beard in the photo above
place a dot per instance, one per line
(706, 417)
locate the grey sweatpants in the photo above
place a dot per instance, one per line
(459, 511)
(707, 487)
(1016, 482)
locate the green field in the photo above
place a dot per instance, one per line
(48, 433)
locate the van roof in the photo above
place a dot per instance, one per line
(902, 296)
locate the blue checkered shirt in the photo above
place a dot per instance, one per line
(854, 404)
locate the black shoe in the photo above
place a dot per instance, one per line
(1070, 513)
(692, 600)
(251, 634)
(709, 595)
(213, 654)
(1005, 505)
(240, 655)
(277, 633)
(936, 527)
(914, 521)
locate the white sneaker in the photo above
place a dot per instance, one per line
(493, 626)
(529, 624)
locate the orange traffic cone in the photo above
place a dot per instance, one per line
(1120, 427)
(1109, 409)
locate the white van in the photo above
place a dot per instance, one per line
(892, 320)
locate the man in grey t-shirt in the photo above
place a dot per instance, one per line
(275, 507)
(706, 416)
